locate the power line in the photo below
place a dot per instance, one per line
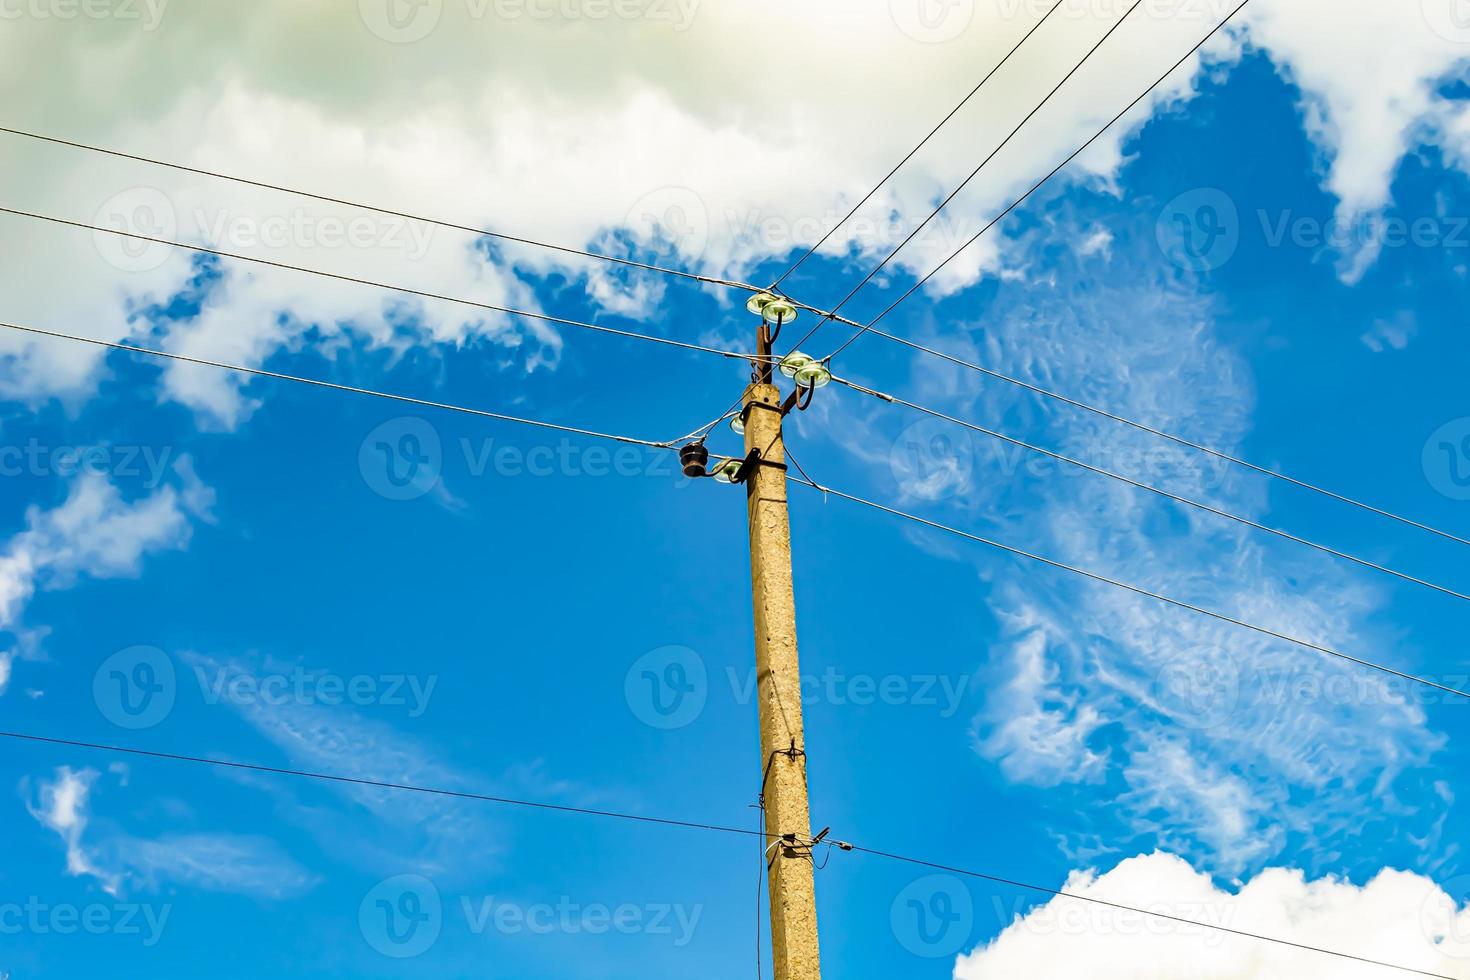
(922, 143)
(667, 822)
(1037, 186)
(408, 291)
(377, 210)
(976, 172)
(379, 784)
(423, 403)
(1207, 508)
(1135, 589)
(1179, 440)
(1157, 915)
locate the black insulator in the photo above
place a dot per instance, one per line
(694, 458)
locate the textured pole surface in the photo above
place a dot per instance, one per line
(783, 757)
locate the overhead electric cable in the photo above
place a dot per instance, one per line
(922, 143)
(406, 290)
(677, 824)
(974, 173)
(1073, 896)
(1179, 440)
(1135, 589)
(378, 784)
(259, 372)
(1207, 508)
(1037, 186)
(218, 175)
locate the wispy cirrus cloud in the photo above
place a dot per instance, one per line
(119, 861)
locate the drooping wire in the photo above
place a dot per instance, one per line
(1073, 896)
(974, 173)
(376, 784)
(1135, 589)
(1151, 430)
(297, 192)
(679, 824)
(1037, 186)
(359, 281)
(314, 382)
(922, 143)
(1207, 508)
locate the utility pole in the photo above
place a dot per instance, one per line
(788, 837)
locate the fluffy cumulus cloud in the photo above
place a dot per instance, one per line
(98, 533)
(118, 861)
(653, 127)
(1396, 917)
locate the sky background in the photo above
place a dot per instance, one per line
(1269, 257)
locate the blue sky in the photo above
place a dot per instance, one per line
(245, 547)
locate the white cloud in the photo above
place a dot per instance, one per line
(1396, 917)
(588, 132)
(1210, 740)
(214, 862)
(95, 533)
(62, 807)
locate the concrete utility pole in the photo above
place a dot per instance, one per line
(783, 756)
